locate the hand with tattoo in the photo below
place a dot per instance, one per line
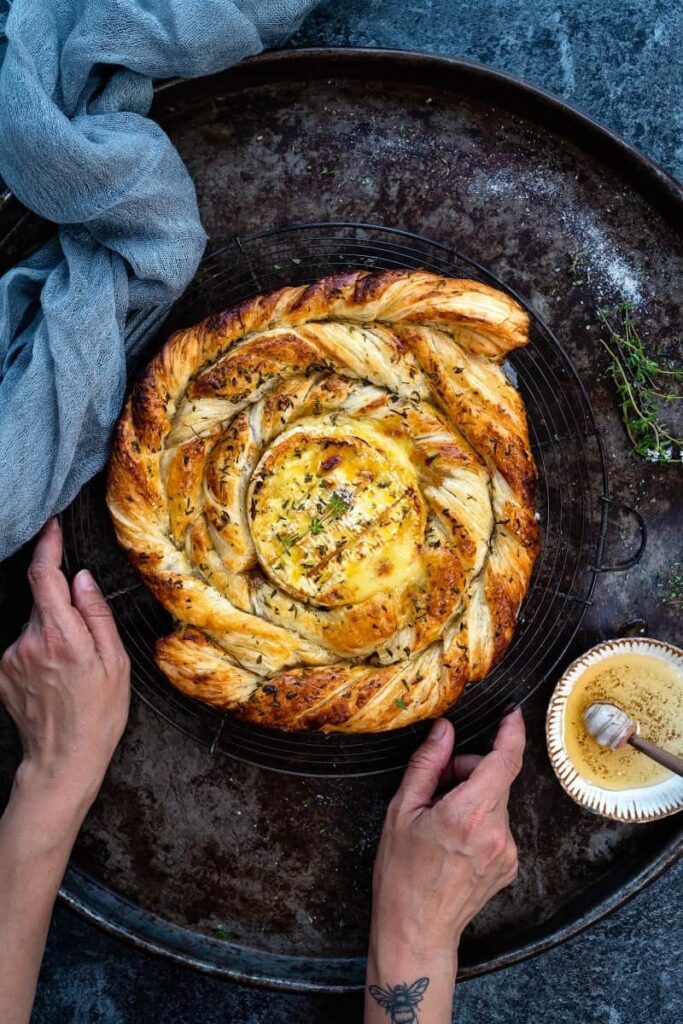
(444, 853)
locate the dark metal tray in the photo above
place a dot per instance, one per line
(220, 861)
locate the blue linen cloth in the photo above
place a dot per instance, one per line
(76, 147)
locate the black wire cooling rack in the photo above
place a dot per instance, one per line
(573, 499)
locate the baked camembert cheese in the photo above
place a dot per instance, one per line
(330, 488)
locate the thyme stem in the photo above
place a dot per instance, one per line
(635, 376)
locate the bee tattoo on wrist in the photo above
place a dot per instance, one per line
(400, 1001)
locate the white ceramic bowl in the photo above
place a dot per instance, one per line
(644, 803)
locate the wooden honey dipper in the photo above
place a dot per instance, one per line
(611, 727)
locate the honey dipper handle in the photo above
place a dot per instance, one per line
(663, 757)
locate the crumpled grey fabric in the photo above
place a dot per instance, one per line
(77, 148)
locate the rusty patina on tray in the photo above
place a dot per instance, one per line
(264, 876)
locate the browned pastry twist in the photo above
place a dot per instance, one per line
(331, 489)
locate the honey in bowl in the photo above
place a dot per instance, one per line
(647, 688)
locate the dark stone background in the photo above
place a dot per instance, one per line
(622, 62)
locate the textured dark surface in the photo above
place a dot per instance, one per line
(621, 62)
(90, 977)
(310, 896)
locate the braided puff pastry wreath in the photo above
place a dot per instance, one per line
(331, 490)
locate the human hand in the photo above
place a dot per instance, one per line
(442, 857)
(65, 682)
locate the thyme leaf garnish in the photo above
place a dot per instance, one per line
(643, 386)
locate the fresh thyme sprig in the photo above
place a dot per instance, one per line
(637, 378)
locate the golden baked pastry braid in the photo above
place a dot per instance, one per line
(330, 488)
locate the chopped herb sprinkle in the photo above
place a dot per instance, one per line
(339, 502)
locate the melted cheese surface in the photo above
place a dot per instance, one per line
(336, 513)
